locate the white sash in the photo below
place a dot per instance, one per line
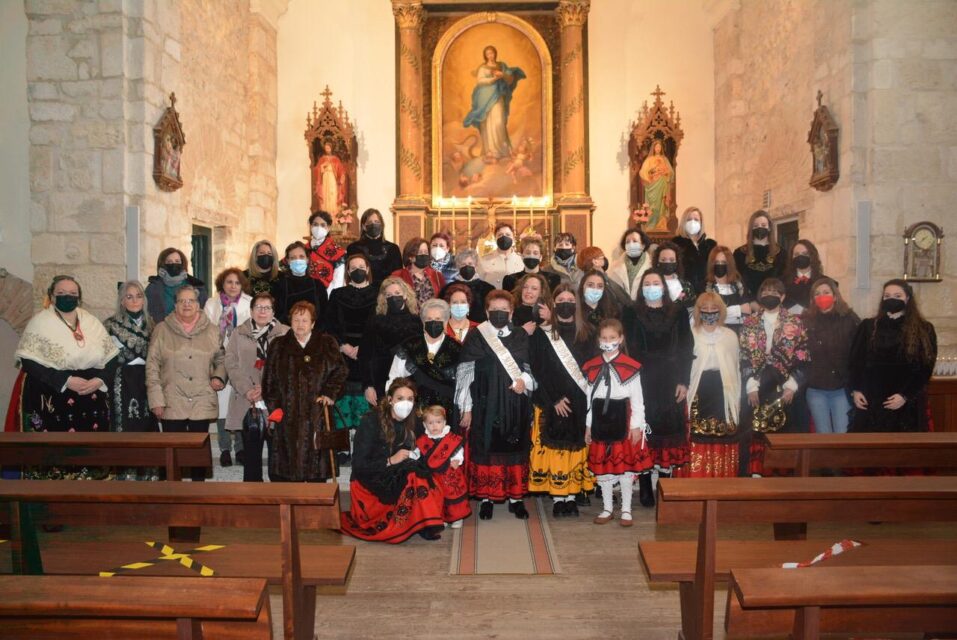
(490, 334)
(567, 359)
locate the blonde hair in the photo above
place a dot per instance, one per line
(381, 306)
(253, 269)
(713, 298)
(121, 294)
(434, 410)
(684, 219)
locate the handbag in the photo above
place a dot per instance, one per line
(330, 437)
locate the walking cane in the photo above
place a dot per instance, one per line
(332, 453)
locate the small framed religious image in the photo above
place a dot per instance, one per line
(824, 156)
(922, 250)
(168, 139)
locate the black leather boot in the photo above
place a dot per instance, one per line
(646, 496)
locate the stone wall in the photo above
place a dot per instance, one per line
(98, 78)
(888, 72)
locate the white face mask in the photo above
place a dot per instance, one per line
(402, 408)
(693, 227)
(438, 253)
(319, 232)
(634, 249)
(609, 346)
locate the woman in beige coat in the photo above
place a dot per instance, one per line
(245, 360)
(184, 368)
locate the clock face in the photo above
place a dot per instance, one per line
(924, 238)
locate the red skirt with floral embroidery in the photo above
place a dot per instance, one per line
(619, 457)
(455, 488)
(419, 506)
(498, 481)
(669, 457)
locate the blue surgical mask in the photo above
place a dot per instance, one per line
(298, 267)
(593, 296)
(653, 292)
(459, 310)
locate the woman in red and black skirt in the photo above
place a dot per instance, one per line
(393, 496)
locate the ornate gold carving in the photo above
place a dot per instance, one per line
(411, 161)
(409, 56)
(576, 156)
(572, 55)
(408, 15)
(408, 107)
(573, 107)
(572, 13)
(491, 16)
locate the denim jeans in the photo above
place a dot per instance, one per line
(829, 409)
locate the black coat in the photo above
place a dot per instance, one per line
(289, 289)
(347, 315)
(380, 341)
(294, 377)
(763, 267)
(384, 256)
(156, 301)
(694, 257)
(480, 289)
(370, 455)
(554, 382)
(435, 378)
(829, 338)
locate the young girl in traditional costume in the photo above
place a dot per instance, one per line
(443, 453)
(615, 422)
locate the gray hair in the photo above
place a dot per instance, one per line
(187, 287)
(435, 303)
(121, 293)
(465, 254)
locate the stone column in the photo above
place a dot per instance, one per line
(575, 205)
(410, 206)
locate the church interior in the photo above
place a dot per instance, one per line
(129, 126)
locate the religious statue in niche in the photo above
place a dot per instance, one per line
(491, 110)
(168, 142)
(653, 149)
(823, 140)
(333, 149)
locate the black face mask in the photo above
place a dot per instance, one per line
(504, 243)
(373, 229)
(467, 272)
(564, 254)
(531, 263)
(668, 268)
(498, 318)
(422, 260)
(66, 303)
(434, 328)
(173, 269)
(264, 262)
(760, 233)
(395, 303)
(358, 276)
(889, 305)
(720, 270)
(770, 301)
(565, 310)
(802, 261)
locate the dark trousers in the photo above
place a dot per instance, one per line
(253, 440)
(196, 474)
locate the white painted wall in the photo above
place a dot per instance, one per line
(349, 46)
(632, 46)
(14, 143)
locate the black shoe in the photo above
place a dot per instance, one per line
(582, 500)
(571, 509)
(432, 533)
(485, 511)
(559, 510)
(518, 508)
(225, 460)
(646, 496)
(240, 458)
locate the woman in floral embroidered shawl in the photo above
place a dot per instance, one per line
(774, 354)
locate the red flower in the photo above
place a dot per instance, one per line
(260, 363)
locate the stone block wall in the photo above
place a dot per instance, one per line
(99, 75)
(888, 72)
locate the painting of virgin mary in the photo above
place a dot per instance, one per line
(495, 82)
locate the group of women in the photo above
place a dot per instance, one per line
(541, 373)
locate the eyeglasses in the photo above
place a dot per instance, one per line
(187, 302)
(260, 307)
(130, 297)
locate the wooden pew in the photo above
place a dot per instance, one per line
(807, 602)
(807, 452)
(83, 607)
(697, 565)
(288, 506)
(172, 451)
